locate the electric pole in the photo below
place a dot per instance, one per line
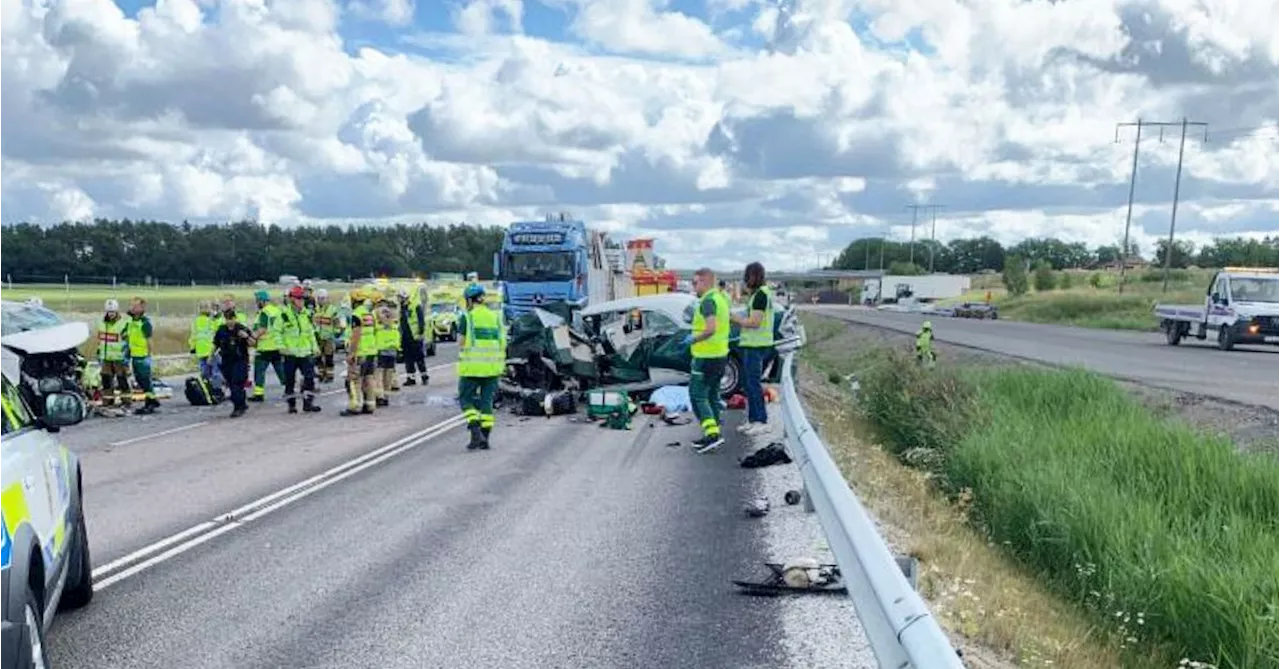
(915, 210)
(883, 239)
(1177, 185)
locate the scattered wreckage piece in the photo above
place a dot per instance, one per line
(796, 577)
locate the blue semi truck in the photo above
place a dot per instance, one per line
(558, 260)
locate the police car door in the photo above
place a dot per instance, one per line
(35, 489)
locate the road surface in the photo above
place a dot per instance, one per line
(567, 545)
(1247, 375)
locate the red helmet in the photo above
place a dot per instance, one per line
(297, 292)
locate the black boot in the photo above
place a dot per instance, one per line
(425, 379)
(484, 438)
(477, 437)
(309, 404)
(409, 381)
(293, 406)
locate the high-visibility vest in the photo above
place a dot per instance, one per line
(270, 340)
(717, 345)
(483, 350)
(201, 339)
(368, 345)
(139, 344)
(415, 329)
(761, 337)
(326, 320)
(388, 332)
(297, 336)
(111, 338)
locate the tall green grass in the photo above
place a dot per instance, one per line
(1169, 536)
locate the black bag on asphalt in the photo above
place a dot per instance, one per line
(200, 392)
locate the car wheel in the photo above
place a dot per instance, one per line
(731, 380)
(34, 631)
(79, 590)
(1226, 342)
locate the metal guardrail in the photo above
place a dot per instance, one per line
(901, 630)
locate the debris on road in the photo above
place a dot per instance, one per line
(792, 497)
(802, 575)
(756, 508)
(773, 454)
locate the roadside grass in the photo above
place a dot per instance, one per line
(1166, 536)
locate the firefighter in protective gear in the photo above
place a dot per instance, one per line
(387, 334)
(414, 328)
(362, 357)
(482, 357)
(138, 331)
(265, 331)
(924, 345)
(298, 343)
(309, 295)
(113, 354)
(200, 342)
(328, 325)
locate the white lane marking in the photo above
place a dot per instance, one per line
(158, 434)
(335, 391)
(117, 570)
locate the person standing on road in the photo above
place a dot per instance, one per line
(413, 330)
(924, 345)
(268, 353)
(201, 342)
(328, 325)
(482, 357)
(388, 338)
(362, 357)
(757, 345)
(709, 346)
(231, 342)
(113, 354)
(298, 342)
(139, 331)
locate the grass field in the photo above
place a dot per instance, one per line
(1163, 537)
(1091, 299)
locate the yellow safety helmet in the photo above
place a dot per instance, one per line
(926, 325)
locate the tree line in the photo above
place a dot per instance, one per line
(978, 254)
(240, 252)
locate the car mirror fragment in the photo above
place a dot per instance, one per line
(63, 409)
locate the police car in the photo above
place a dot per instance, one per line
(46, 563)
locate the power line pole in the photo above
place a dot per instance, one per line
(1133, 178)
(915, 210)
(883, 239)
(933, 231)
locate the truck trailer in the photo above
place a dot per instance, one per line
(923, 288)
(558, 260)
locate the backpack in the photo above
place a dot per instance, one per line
(201, 393)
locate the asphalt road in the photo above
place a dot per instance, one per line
(567, 545)
(1247, 375)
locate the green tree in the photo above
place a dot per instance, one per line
(901, 268)
(1015, 275)
(1043, 278)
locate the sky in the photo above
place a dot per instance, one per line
(727, 130)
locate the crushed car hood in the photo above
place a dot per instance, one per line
(48, 340)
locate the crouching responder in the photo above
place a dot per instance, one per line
(231, 342)
(387, 335)
(362, 357)
(924, 345)
(298, 342)
(268, 353)
(201, 342)
(139, 341)
(413, 331)
(328, 325)
(482, 357)
(113, 353)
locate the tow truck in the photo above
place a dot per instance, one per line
(1240, 306)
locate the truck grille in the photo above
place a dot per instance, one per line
(1267, 325)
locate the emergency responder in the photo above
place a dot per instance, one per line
(113, 353)
(309, 295)
(328, 326)
(924, 345)
(268, 353)
(298, 343)
(362, 356)
(413, 333)
(387, 334)
(231, 344)
(482, 357)
(757, 345)
(139, 331)
(201, 342)
(709, 345)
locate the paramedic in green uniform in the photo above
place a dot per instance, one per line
(709, 346)
(139, 331)
(482, 357)
(268, 353)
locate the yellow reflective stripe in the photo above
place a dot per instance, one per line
(59, 534)
(14, 503)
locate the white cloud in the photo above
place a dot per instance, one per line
(777, 130)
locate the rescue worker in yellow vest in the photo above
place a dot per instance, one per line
(362, 357)
(268, 350)
(709, 345)
(297, 338)
(113, 354)
(200, 342)
(387, 332)
(414, 330)
(482, 358)
(924, 345)
(139, 332)
(328, 325)
(756, 341)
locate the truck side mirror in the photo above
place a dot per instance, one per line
(497, 265)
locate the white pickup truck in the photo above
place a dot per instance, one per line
(1240, 305)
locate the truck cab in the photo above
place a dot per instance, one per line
(555, 260)
(1240, 307)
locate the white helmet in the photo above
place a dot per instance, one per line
(35, 301)
(322, 294)
(306, 283)
(402, 292)
(111, 305)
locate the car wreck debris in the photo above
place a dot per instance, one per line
(804, 575)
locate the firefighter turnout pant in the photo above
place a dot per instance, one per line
(324, 361)
(388, 381)
(295, 365)
(362, 384)
(115, 383)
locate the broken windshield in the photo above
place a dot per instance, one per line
(1250, 289)
(550, 266)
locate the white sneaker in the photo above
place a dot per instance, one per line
(743, 428)
(756, 429)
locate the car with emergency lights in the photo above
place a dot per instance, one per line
(1241, 306)
(45, 558)
(444, 320)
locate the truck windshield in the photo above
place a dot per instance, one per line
(551, 266)
(1250, 289)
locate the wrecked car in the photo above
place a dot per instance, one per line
(48, 348)
(634, 344)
